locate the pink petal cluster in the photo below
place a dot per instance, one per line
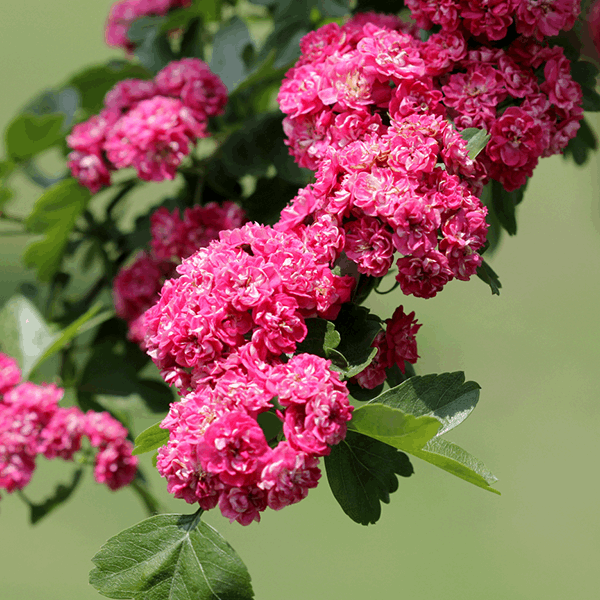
(137, 286)
(396, 346)
(147, 125)
(350, 79)
(489, 20)
(224, 332)
(123, 14)
(32, 423)
(411, 192)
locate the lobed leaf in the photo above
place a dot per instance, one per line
(446, 397)
(170, 556)
(362, 473)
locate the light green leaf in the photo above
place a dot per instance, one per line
(447, 397)
(151, 439)
(229, 44)
(476, 139)
(393, 426)
(29, 135)
(170, 556)
(24, 334)
(458, 462)
(54, 215)
(87, 321)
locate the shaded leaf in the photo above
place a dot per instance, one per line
(489, 276)
(228, 48)
(151, 439)
(170, 556)
(504, 204)
(152, 47)
(458, 462)
(362, 474)
(28, 135)
(61, 494)
(271, 424)
(581, 146)
(447, 397)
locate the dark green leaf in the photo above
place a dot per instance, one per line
(362, 474)
(28, 135)
(476, 139)
(268, 199)
(94, 82)
(458, 462)
(152, 47)
(363, 394)
(581, 146)
(140, 487)
(24, 333)
(54, 215)
(151, 439)
(61, 494)
(228, 48)
(320, 339)
(447, 397)
(504, 204)
(393, 426)
(591, 99)
(489, 276)
(170, 556)
(584, 73)
(271, 424)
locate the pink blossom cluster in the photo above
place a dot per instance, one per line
(147, 125)
(594, 24)
(137, 286)
(32, 423)
(490, 20)
(225, 332)
(406, 192)
(123, 14)
(395, 346)
(352, 78)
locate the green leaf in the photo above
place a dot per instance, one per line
(54, 215)
(320, 339)
(591, 99)
(94, 82)
(24, 334)
(271, 425)
(170, 556)
(393, 426)
(504, 204)
(458, 462)
(489, 276)
(61, 494)
(362, 474)
(151, 439)
(476, 139)
(152, 47)
(228, 48)
(87, 321)
(28, 135)
(581, 146)
(447, 397)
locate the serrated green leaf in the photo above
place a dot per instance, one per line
(362, 473)
(54, 215)
(446, 396)
(458, 462)
(489, 276)
(476, 139)
(87, 321)
(170, 556)
(29, 135)
(151, 439)
(24, 334)
(393, 426)
(61, 494)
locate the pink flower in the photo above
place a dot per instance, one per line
(369, 245)
(10, 374)
(545, 18)
(423, 276)
(400, 333)
(115, 466)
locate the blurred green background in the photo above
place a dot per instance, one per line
(534, 350)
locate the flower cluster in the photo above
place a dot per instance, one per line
(350, 79)
(406, 192)
(225, 332)
(396, 346)
(32, 423)
(136, 287)
(148, 125)
(124, 13)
